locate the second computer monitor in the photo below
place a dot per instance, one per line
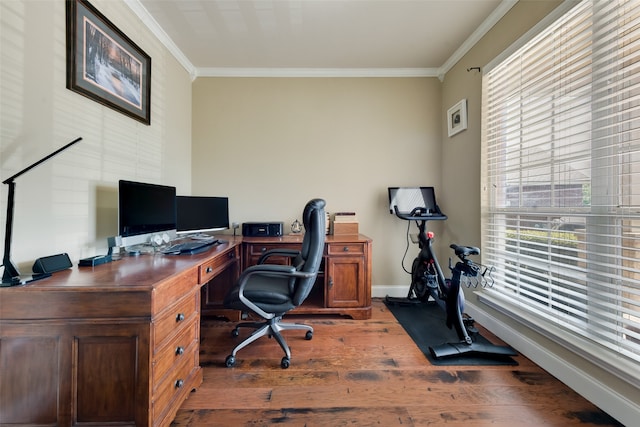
(201, 214)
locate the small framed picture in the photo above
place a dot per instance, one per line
(457, 117)
(104, 65)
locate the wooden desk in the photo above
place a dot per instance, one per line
(117, 343)
(344, 282)
(343, 285)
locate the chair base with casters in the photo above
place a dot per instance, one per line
(270, 328)
(272, 290)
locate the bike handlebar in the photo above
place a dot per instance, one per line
(421, 214)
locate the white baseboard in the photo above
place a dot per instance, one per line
(607, 399)
(392, 291)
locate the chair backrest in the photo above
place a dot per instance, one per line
(313, 219)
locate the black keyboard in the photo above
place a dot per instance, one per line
(189, 248)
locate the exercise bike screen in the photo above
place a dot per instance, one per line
(409, 198)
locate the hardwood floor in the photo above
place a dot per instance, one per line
(366, 373)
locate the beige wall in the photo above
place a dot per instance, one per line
(271, 144)
(69, 203)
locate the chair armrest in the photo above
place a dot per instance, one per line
(266, 270)
(291, 253)
(277, 270)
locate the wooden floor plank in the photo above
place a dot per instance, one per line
(334, 417)
(369, 372)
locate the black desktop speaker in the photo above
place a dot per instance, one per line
(51, 264)
(255, 229)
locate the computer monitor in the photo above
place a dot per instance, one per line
(145, 210)
(409, 198)
(201, 214)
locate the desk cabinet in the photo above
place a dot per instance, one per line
(346, 275)
(50, 368)
(344, 281)
(219, 276)
(116, 344)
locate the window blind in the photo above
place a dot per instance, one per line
(561, 180)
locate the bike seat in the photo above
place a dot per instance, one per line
(464, 251)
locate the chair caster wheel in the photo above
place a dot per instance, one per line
(230, 361)
(285, 362)
(308, 335)
(235, 332)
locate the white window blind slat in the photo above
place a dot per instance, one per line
(561, 173)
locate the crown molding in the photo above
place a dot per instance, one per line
(475, 37)
(150, 22)
(316, 72)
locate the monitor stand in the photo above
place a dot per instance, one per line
(202, 236)
(135, 250)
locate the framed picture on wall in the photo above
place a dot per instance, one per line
(104, 65)
(457, 117)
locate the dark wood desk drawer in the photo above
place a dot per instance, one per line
(211, 268)
(177, 349)
(257, 249)
(165, 294)
(175, 317)
(345, 249)
(177, 382)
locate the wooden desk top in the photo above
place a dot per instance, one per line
(123, 287)
(129, 287)
(297, 238)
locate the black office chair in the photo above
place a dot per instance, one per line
(271, 290)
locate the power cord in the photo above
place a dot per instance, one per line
(406, 251)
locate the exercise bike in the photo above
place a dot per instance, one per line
(428, 281)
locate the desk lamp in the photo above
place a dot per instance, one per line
(11, 275)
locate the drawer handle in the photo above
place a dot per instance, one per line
(231, 255)
(180, 351)
(330, 282)
(263, 249)
(179, 383)
(209, 269)
(180, 317)
(346, 249)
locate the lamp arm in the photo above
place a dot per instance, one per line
(10, 270)
(44, 159)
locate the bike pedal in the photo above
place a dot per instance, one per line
(469, 322)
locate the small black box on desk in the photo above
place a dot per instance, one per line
(51, 264)
(256, 229)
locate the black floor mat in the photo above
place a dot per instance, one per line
(425, 324)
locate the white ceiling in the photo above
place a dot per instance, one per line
(319, 37)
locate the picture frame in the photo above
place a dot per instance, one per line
(104, 64)
(457, 118)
